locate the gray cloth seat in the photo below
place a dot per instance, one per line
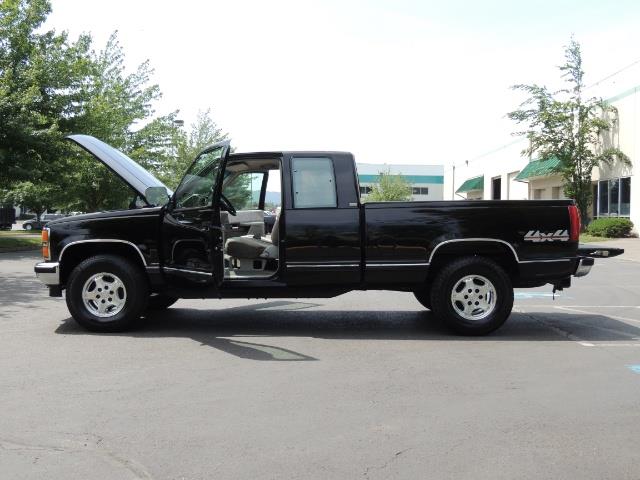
(253, 248)
(246, 247)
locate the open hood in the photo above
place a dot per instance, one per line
(137, 177)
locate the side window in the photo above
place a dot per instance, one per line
(314, 183)
(243, 190)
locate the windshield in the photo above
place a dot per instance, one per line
(196, 188)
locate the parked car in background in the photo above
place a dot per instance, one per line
(7, 217)
(44, 219)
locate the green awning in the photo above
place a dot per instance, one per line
(540, 168)
(475, 183)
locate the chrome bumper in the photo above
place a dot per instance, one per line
(48, 273)
(584, 266)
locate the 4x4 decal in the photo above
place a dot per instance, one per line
(538, 236)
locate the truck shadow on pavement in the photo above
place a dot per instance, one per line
(230, 329)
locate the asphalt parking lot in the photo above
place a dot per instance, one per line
(367, 385)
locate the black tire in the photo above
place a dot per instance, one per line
(136, 293)
(28, 227)
(451, 313)
(160, 301)
(424, 297)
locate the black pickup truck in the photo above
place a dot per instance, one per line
(207, 239)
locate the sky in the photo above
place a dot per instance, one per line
(401, 82)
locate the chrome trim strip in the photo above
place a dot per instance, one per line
(184, 270)
(497, 240)
(322, 265)
(479, 239)
(104, 240)
(547, 261)
(115, 217)
(418, 264)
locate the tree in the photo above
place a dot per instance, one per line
(51, 87)
(570, 127)
(390, 188)
(37, 198)
(202, 133)
(113, 103)
(41, 78)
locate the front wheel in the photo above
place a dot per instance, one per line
(472, 295)
(28, 227)
(107, 293)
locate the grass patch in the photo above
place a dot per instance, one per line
(9, 243)
(9, 233)
(586, 238)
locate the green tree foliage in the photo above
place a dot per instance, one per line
(202, 133)
(240, 190)
(41, 81)
(51, 87)
(571, 127)
(390, 188)
(114, 102)
(37, 198)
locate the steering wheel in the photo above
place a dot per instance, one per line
(227, 204)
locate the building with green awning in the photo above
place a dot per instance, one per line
(506, 173)
(540, 168)
(472, 185)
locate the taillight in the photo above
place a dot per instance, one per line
(45, 244)
(574, 222)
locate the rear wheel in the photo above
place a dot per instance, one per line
(107, 293)
(28, 227)
(472, 295)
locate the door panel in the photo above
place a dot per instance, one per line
(321, 242)
(323, 246)
(191, 235)
(187, 242)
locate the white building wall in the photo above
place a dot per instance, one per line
(504, 162)
(546, 186)
(507, 161)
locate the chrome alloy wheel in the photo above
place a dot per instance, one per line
(473, 297)
(104, 295)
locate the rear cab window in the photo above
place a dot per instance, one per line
(314, 182)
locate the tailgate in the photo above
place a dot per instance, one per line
(598, 251)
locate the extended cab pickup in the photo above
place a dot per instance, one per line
(207, 239)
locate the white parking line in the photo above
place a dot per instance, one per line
(598, 306)
(616, 317)
(580, 341)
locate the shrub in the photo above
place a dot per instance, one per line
(610, 227)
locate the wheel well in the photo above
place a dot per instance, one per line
(74, 254)
(496, 251)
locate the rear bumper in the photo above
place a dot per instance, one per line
(48, 273)
(583, 267)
